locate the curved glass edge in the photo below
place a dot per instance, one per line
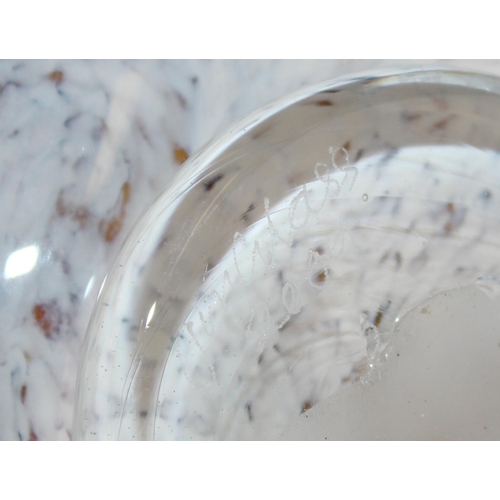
(200, 162)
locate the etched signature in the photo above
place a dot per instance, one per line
(263, 258)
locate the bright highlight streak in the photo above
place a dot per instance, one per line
(90, 285)
(150, 315)
(21, 262)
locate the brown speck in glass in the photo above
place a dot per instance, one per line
(321, 276)
(111, 229)
(23, 394)
(441, 124)
(48, 317)
(56, 76)
(180, 155)
(306, 406)
(125, 193)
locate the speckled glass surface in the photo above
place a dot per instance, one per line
(271, 273)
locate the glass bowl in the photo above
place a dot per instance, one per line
(327, 269)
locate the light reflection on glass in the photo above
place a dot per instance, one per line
(89, 287)
(21, 262)
(102, 286)
(150, 315)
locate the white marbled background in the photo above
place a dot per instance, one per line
(85, 146)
